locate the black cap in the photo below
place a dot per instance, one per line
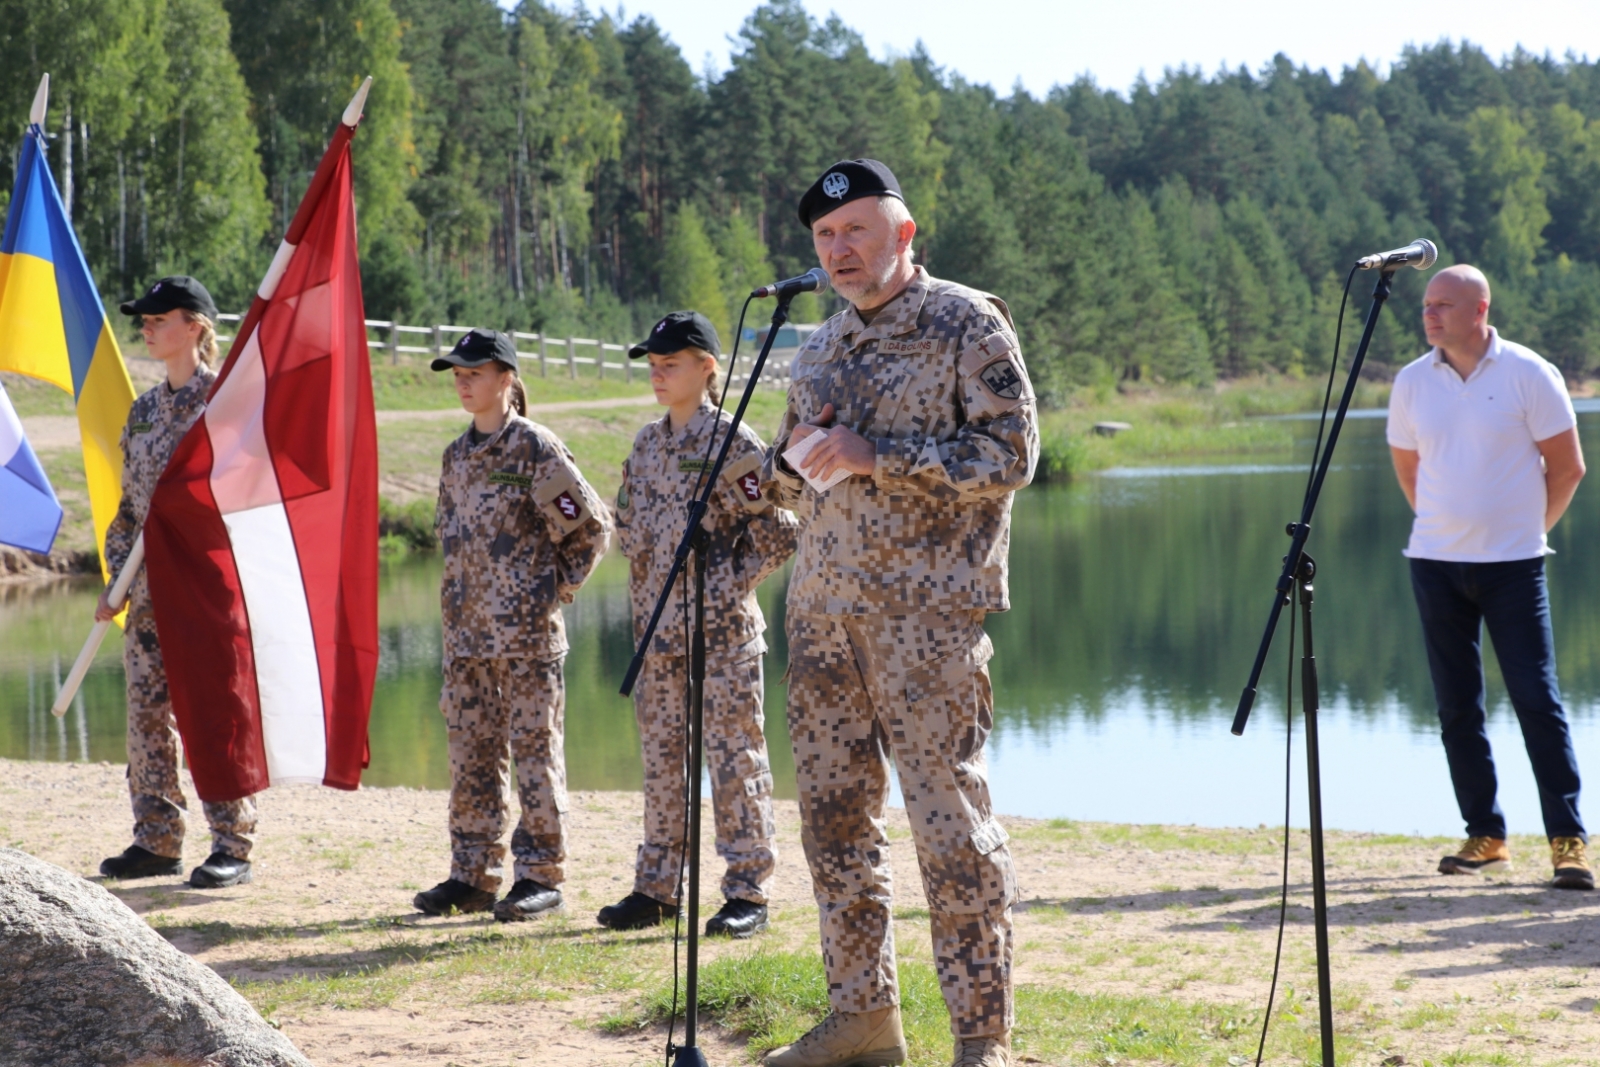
(169, 294)
(847, 180)
(679, 330)
(477, 347)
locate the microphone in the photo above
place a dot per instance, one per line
(1420, 254)
(814, 280)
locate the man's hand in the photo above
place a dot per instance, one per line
(842, 448)
(103, 611)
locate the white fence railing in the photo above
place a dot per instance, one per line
(541, 350)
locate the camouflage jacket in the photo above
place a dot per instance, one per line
(521, 531)
(750, 536)
(937, 382)
(156, 423)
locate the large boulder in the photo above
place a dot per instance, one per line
(85, 981)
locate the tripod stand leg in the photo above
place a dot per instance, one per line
(1319, 881)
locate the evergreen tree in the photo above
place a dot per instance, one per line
(693, 280)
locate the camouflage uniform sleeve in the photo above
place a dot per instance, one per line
(578, 520)
(622, 513)
(770, 531)
(996, 448)
(124, 527)
(782, 484)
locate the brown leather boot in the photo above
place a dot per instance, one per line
(983, 1051)
(847, 1039)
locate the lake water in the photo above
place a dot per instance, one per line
(1139, 597)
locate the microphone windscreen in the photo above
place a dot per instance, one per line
(1430, 253)
(823, 284)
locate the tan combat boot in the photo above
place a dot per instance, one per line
(1571, 862)
(1478, 855)
(847, 1039)
(983, 1051)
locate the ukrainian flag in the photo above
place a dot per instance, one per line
(53, 326)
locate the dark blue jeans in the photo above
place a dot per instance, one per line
(1455, 599)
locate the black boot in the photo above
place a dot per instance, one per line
(635, 912)
(452, 895)
(526, 900)
(738, 919)
(219, 871)
(139, 862)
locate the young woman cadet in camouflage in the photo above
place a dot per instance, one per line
(178, 317)
(750, 538)
(521, 531)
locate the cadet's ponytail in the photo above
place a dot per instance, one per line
(519, 392)
(713, 374)
(207, 344)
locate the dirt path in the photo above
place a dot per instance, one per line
(46, 432)
(1433, 969)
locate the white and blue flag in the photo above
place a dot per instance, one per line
(29, 512)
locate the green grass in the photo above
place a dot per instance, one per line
(1178, 421)
(413, 387)
(30, 396)
(488, 967)
(771, 997)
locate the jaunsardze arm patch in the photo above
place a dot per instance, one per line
(743, 476)
(562, 502)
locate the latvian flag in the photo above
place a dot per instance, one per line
(262, 539)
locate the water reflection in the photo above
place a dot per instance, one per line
(1138, 597)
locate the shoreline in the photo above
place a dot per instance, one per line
(1168, 926)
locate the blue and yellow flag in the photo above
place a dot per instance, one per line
(53, 326)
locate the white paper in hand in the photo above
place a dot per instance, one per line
(796, 453)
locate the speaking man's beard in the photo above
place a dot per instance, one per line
(873, 286)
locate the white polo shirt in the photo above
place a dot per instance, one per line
(1480, 483)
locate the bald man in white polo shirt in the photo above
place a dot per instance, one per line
(1485, 445)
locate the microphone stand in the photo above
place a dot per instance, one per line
(695, 540)
(1298, 571)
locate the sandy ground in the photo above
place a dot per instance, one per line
(1431, 969)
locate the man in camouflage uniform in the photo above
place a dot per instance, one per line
(156, 423)
(749, 537)
(521, 531)
(920, 393)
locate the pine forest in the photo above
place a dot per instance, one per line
(552, 169)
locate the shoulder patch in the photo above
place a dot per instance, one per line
(623, 499)
(521, 481)
(744, 477)
(562, 501)
(1002, 379)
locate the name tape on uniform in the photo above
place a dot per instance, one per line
(521, 481)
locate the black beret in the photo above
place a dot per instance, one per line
(169, 294)
(847, 180)
(478, 347)
(679, 330)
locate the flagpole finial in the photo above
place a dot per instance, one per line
(41, 102)
(352, 114)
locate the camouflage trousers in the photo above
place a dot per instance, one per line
(492, 708)
(158, 800)
(741, 777)
(864, 689)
